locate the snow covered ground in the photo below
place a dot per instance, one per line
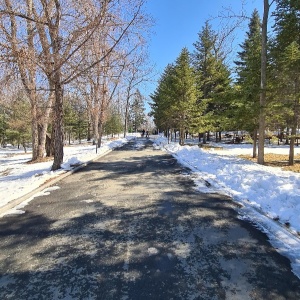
(18, 178)
(266, 193)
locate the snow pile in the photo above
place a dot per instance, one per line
(275, 192)
(17, 177)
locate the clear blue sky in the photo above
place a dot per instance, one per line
(178, 23)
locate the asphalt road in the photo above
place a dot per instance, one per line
(132, 226)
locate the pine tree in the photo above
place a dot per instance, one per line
(184, 93)
(3, 124)
(162, 100)
(19, 123)
(287, 58)
(113, 124)
(287, 24)
(213, 79)
(175, 98)
(246, 107)
(137, 112)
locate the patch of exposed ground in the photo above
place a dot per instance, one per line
(278, 160)
(6, 172)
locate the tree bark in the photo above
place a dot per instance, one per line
(294, 125)
(43, 126)
(181, 136)
(254, 143)
(100, 126)
(263, 85)
(127, 109)
(58, 125)
(34, 131)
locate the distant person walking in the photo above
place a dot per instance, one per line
(143, 132)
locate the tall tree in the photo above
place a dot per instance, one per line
(246, 108)
(184, 93)
(287, 53)
(213, 77)
(174, 100)
(263, 83)
(137, 111)
(162, 99)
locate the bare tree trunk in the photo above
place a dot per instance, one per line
(58, 126)
(181, 137)
(126, 121)
(294, 125)
(263, 85)
(254, 143)
(292, 146)
(95, 127)
(42, 129)
(127, 110)
(34, 131)
(204, 138)
(100, 127)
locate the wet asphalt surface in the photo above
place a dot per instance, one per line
(132, 226)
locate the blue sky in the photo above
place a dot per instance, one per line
(178, 23)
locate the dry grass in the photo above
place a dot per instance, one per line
(278, 160)
(6, 172)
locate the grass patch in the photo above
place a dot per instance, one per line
(278, 160)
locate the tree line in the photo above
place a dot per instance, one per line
(199, 93)
(70, 69)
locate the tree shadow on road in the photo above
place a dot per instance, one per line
(173, 244)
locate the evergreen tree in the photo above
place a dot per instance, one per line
(113, 124)
(184, 93)
(137, 112)
(3, 124)
(287, 60)
(70, 120)
(175, 98)
(75, 118)
(19, 122)
(162, 100)
(213, 79)
(246, 106)
(287, 24)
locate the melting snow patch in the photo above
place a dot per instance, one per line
(87, 201)
(182, 250)
(152, 251)
(52, 188)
